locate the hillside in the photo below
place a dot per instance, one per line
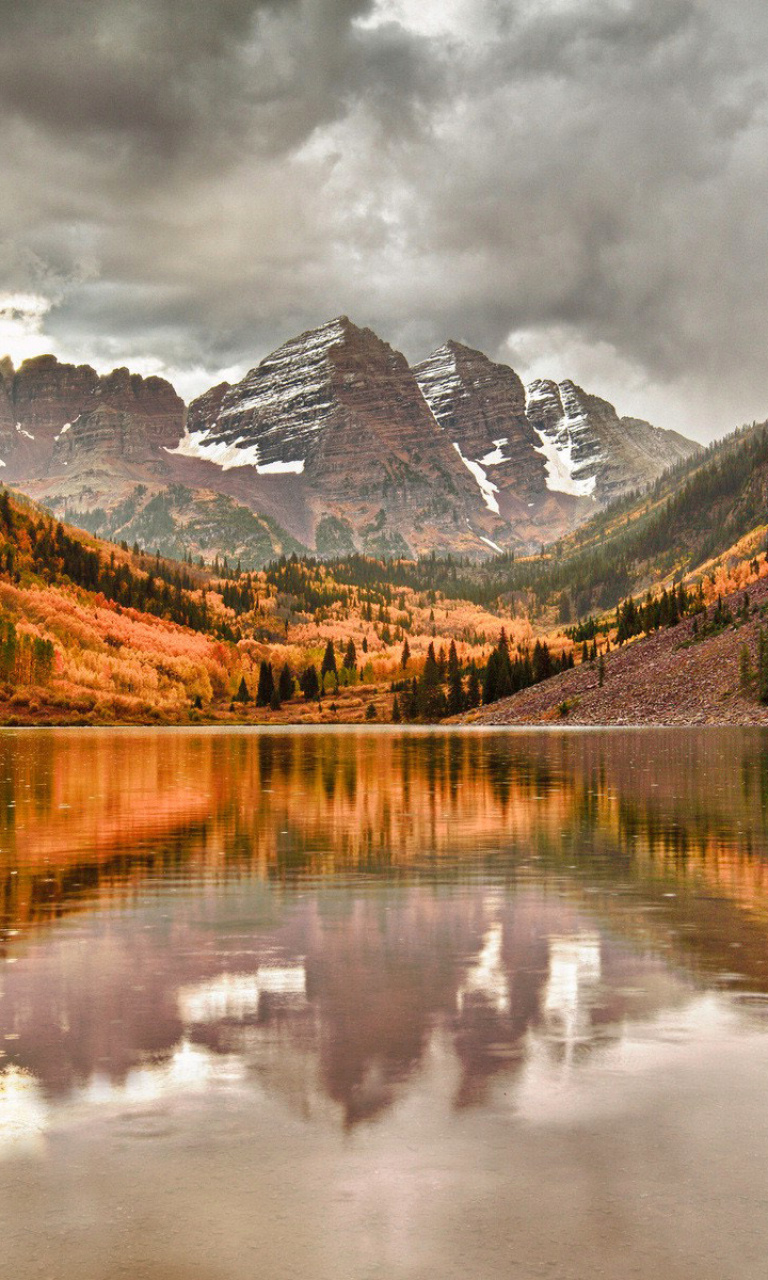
(94, 632)
(692, 673)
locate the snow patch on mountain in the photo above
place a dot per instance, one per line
(440, 383)
(560, 468)
(486, 486)
(496, 455)
(565, 432)
(198, 444)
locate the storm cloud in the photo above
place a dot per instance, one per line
(578, 187)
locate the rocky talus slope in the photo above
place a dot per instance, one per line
(671, 677)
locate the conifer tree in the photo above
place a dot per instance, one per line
(286, 687)
(456, 699)
(266, 685)
(242, 694)
(762, 666)
(310, 685)
(473, 687)
(329, 660)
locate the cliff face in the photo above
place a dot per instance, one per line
(43, 398)
(589, 450)
(481, 408)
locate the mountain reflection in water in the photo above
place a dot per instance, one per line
(246, 931)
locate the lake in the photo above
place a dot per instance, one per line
(382, 1004)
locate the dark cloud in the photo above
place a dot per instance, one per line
(578, 183)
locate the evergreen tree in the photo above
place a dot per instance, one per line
(430, 696)
(456, 699)
(285, 686)
(350, 656)
(396, 716)
(242, 694)
(762, 666)
(406, 654)
(329, 660)
(266, 685)
(473, 687)
(310, 685)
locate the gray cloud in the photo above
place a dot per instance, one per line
(581, 184)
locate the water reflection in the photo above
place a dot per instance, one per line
(352, 928)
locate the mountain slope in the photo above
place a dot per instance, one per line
(687, 674)
(591, 450)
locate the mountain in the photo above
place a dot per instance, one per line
(590, 450)
(332, 444)
(44, 400)
(340, 408)
(447, 455)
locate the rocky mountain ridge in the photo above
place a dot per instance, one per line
(337, 443)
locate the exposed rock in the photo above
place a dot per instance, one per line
(481, 407)
(340, 407)
(589, 450)
(674, 676)
(45, 397)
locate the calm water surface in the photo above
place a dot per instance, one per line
(383, 1005)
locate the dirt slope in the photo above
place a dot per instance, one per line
(667, 678)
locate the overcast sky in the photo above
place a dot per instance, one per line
(577, 187)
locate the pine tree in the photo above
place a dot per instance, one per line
(762, 666)
(456, 700)
(350, 657)
(285, 686)
(310, 685)
(266, 685)
(491, 679)
(396, 716)
(406, 654)
(242, 694)
(473, 687)
(329, 660)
